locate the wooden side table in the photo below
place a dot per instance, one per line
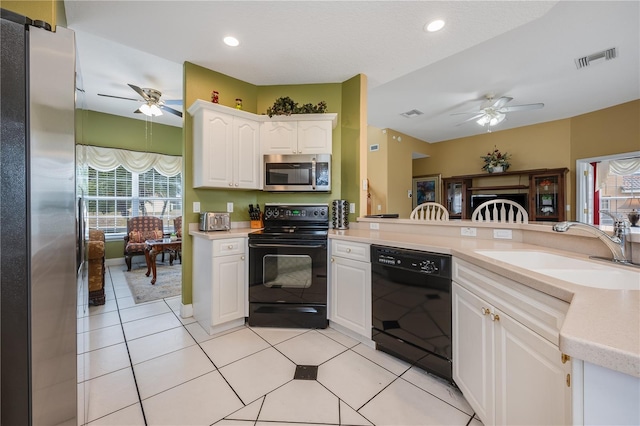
(154, 248)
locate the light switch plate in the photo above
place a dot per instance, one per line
(229, 207)
(504, 234)
(196, 206)
(374, 225)
(352, 207)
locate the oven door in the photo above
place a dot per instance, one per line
(288, 283)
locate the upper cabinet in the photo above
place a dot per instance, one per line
(298, 134)
(228, 144)
(226, 147)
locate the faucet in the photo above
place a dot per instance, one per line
(619, 243)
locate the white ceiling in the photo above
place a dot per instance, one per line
(521, 49)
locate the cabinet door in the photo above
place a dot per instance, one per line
(531, 380)
(547, 197)
(351, 295)
(314, 137)
(473, 354)
(214, 153)
(279, 137)
(246, 153)
(228, 289)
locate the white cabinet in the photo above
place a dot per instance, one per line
(299, 136)
(219, 283)
(506, 359)
(226, 148)
(350, 289)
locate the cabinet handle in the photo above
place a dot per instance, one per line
(236, 184)
(230, 184)
(568, 380)
(495, 317)
(565, 358)
(348, 250)
(230, 247)
(332, 260)
(485, 311)
(241, 257)
(294, 151)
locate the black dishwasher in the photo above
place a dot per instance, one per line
(411, 295)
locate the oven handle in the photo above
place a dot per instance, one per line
(285, 245)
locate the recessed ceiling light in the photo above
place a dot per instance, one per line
(433, 26)
(231, 41)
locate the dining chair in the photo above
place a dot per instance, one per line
(431, 212)
(500, 211)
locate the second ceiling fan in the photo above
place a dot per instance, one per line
(152, 104)
(493, 111)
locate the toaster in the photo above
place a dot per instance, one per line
(214, 221)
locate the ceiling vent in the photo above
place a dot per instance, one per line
(594, 58)
(412, 113)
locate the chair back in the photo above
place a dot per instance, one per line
(500, 211)
(177, 226)
(144, 224)
(430, 211)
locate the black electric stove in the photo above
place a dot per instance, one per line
(288, 267)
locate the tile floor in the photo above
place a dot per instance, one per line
(144, 365)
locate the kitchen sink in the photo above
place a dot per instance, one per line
(577, 271)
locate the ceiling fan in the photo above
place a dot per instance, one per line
(493, 111)
(152, 104)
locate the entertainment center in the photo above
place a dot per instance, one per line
(540, 191)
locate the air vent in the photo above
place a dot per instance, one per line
(374, 147)
(412, 113)
(594, 58)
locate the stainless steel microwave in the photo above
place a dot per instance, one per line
(298, 172)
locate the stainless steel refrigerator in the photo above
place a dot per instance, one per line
(38, 231)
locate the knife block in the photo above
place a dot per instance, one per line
(256, 224)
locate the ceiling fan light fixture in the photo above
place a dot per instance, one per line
(150, 110)
(491, 119)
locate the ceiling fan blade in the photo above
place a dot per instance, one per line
(140, 92)
(475, 117)
(173, 102)
(521, 107)
(501, 102)
(119, 97)
(467, 113)
(171, 110)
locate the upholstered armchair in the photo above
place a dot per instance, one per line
(95, 262)
(139, 230)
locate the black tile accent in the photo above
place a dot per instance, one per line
(306, 372)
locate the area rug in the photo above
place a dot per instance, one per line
(168, 282)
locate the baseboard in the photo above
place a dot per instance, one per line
(186, 311)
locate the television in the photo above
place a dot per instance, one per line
(478, 199)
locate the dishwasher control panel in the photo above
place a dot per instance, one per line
(412, 260)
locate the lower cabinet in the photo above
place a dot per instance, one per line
(219, 283)
(506, 359)
(350, 288)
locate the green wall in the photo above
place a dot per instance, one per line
(199, 82)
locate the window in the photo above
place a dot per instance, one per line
(113, 196)
(616, 187)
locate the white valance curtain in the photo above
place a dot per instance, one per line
(106, 159)
(628, 166)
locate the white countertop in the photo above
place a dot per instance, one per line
(601, 326)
